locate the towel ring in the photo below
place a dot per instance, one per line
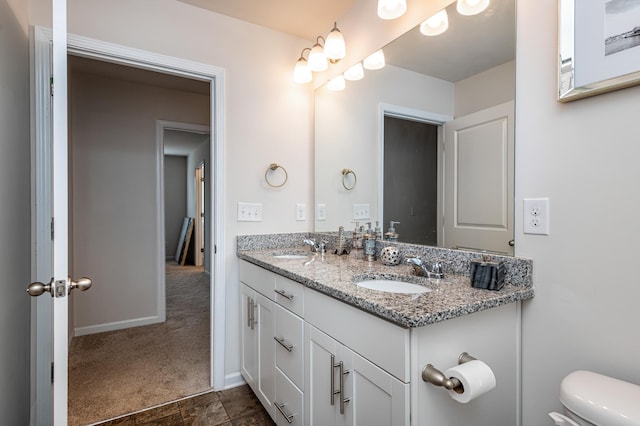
(272, 168)
(345, 173)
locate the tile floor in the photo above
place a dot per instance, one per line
(233, 407)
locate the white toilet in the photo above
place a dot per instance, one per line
(593, 399)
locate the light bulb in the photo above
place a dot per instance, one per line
(354, 73)
(435, 25)
(301, 72)
(471, 7)
(334, 46)
(317, 61)
(375, 61)
(391, 9)
(336, 83)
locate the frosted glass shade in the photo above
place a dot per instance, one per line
(301, 72)
(334, 47)
(471, 7)
(336, 83)
(317, 61)
(375, 61)
(391, 9)
(435, 25)
(354, 73)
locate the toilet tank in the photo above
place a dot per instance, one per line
(601, 400)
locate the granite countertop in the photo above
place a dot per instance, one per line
(335, 276)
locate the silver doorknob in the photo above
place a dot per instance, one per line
(37, 288)
(82, 284)
(512, 243)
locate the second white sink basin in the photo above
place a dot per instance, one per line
(393, 286)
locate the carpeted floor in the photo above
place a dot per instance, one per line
(119, 372)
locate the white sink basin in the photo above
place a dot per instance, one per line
(290, 256)
(393, 286)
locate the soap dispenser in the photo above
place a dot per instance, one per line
(369, 244)
(378, 232)
(391, 234)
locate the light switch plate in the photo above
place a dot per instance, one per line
(301, 212)
(361, 211)
(321, 212)
(536, 216)
(249, 212)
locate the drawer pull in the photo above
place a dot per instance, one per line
(283, 343)
(284, 294)
(280, 407)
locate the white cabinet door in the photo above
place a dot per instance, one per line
(321, 403)
(248, 333)
(266, 386)
(377, 398)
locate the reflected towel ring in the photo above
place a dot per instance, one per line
(345, 173)
(272, 168)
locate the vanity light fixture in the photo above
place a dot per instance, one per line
(375, 61)
(391, 9)
(324, 51)
(354, 73)
(435, 25)
(336, 83)
(334, 47)
(471, 7)
(301, 72)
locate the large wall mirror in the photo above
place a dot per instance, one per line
(428, 138)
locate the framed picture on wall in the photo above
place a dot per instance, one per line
(598, 46)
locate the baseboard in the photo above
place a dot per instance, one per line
(233, 380)
(118, 325)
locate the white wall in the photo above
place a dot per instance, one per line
(15, 223)
(268, 118)
(115, 169)
(347, 135)
(175, 201)
(583, 156)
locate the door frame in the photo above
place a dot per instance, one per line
(410, 114)
(41, 223)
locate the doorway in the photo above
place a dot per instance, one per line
(214, 77)
(147, 319)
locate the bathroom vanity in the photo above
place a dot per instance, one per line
(318, 349)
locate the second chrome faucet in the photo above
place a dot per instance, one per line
(421, 269)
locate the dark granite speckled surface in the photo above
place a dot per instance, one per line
(336, 276)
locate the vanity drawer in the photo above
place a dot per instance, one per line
(288, 403)
(288, 336)
(381, 342)
(257, 278)
(290, 294)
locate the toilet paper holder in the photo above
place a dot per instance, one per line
(432, 375)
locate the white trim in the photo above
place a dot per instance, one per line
(390, 110)
(161, 301)
(233, 380)
(86, 47)
(117, 325)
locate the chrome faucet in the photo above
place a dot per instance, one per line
(316, 247)
(421, 269)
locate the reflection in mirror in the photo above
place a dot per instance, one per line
(429, 136)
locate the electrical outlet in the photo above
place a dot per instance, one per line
(536, 216)
(249, 212)
(360, 211)
(300, 212)
(321, 212)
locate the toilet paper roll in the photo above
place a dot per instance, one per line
(476, 378)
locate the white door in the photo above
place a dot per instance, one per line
(479, 180)
(54, 175)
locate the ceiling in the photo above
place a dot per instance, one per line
(301, 18)
(472, 44)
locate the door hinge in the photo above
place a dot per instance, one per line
(52, 229)
(51, 85)
(52, 372)
(215, 249)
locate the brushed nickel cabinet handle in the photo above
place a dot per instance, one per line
(283, 343)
